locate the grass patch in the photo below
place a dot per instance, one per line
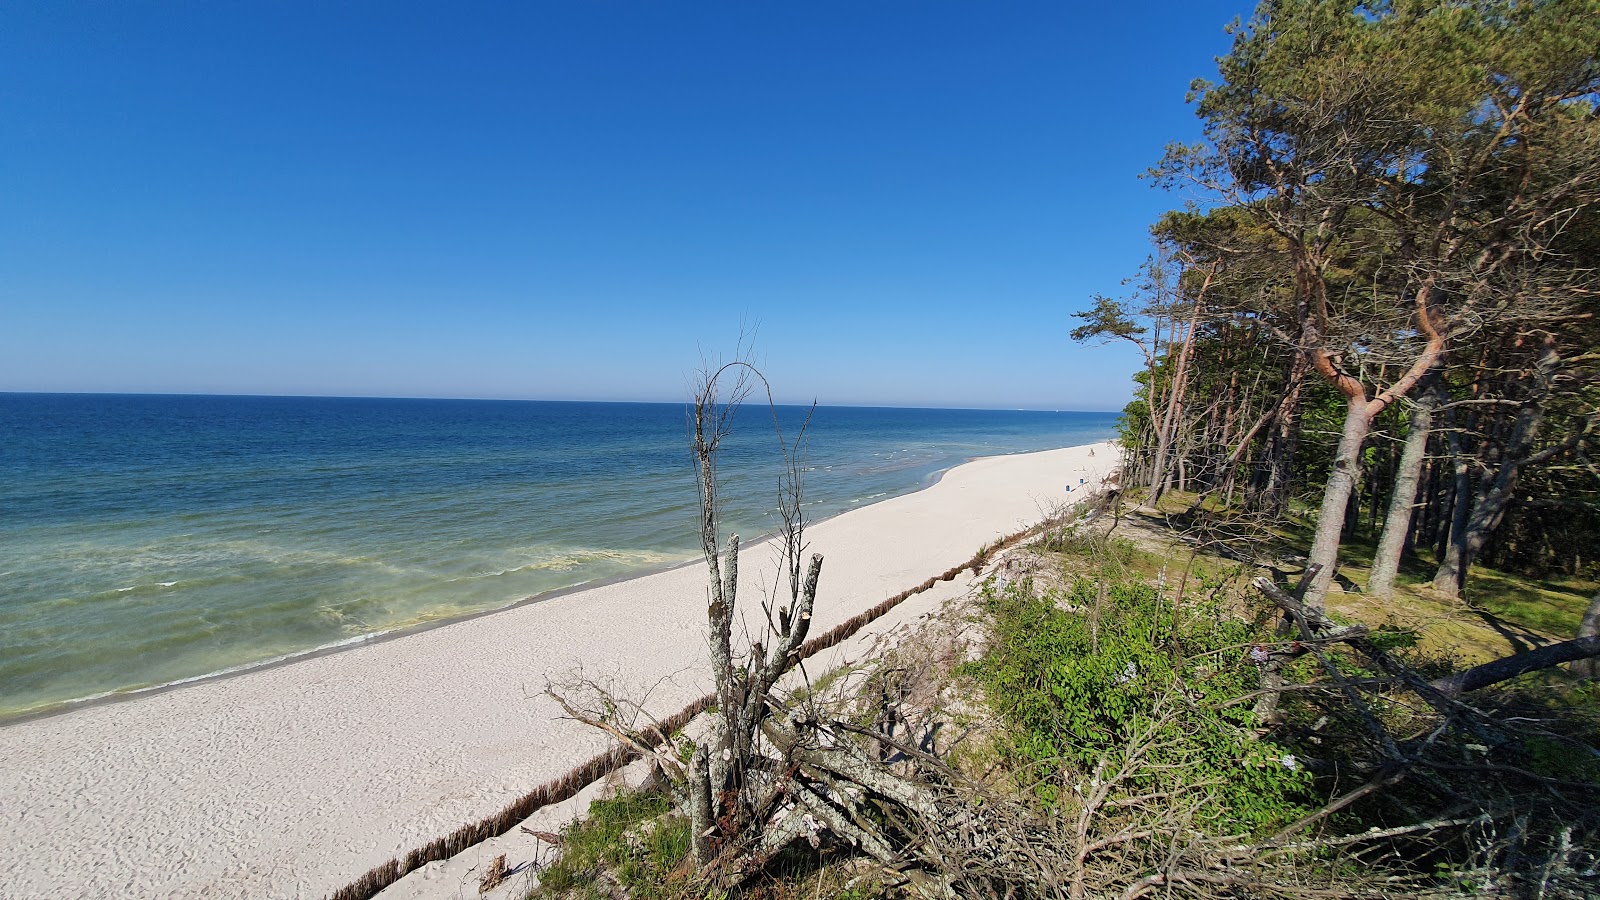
(1551, 606)
(1499, 612)
(630, 838)
(636, 845)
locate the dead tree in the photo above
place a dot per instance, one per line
(727, 787)
(768, 770)
(723, 806)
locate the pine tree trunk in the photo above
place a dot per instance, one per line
(1273, 471)
(1447, 578)
(1174, 411)
(1336, 500)
(1269, 485)
(1494, 494)
(1402, 501)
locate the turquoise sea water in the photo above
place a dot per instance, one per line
(151, 539)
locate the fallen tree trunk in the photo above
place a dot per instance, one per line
(1450, 686)
(1509, 667)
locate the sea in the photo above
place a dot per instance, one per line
(150, 540)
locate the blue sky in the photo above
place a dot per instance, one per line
(576, 200)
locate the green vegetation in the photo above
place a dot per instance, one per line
(637, 845)
(1127, 678)
(629, 840)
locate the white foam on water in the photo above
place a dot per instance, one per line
(219, 673)
(135, 587)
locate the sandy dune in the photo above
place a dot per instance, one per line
(292, 781)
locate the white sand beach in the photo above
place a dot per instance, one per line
(293, 781)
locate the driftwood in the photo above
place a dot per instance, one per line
(1589, 627)
(1488, 804)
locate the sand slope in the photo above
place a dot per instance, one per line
(292, 781)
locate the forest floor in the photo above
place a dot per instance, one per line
(1499, 613)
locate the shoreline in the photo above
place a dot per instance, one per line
(294, 779)
(124, 695)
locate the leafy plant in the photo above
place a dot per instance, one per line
(1122, 682)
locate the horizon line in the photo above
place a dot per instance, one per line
(265, 396)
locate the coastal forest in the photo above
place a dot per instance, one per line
(1382, 301)
(1331, 631)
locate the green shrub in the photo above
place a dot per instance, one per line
(1112, 554)
(1126, 677)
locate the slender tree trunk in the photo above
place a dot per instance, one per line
(1423, 524)
(1453, 525)
(1231, 409)
(1158, 466)
(1269, 487)
(1447, 504)
(1274, 467)
(1374, 493)
(1336, 499)
(1402, 501)
(1447, 578)
(1174, 412)
(1590, 627)
(1352, 507)
(1141, 468)
(1231, 466)
(1494, 493)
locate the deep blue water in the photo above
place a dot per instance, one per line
(150, 539)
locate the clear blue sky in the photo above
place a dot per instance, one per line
(573, 200)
